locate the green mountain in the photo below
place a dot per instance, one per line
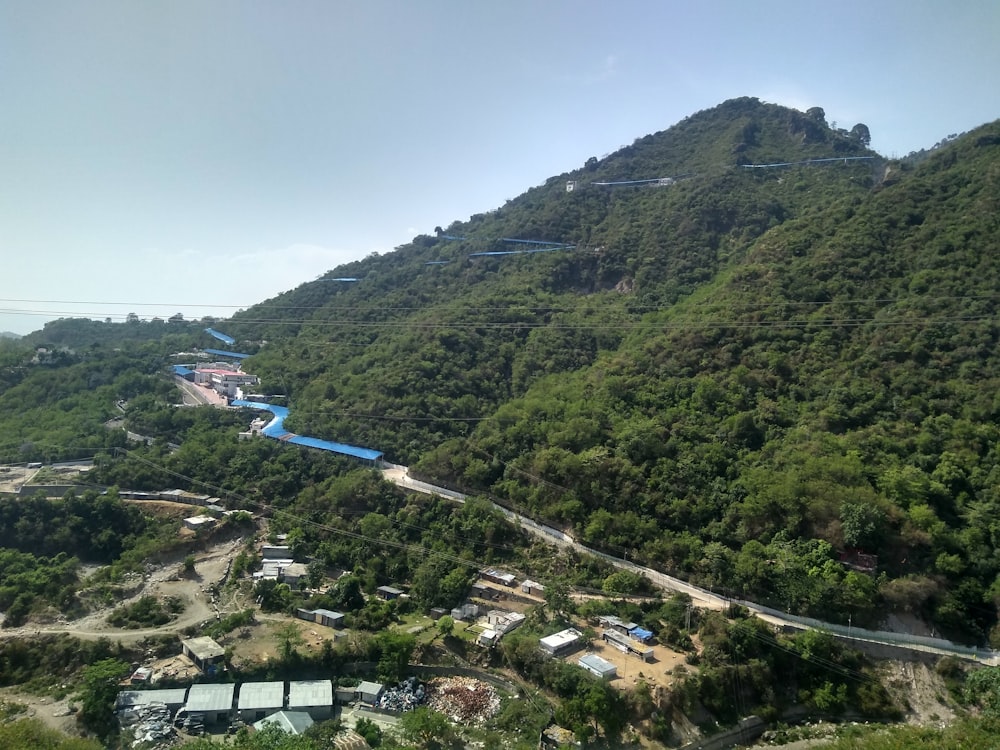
(766, 364)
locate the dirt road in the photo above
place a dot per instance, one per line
(169, 580)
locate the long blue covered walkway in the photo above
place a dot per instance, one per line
(276, 429)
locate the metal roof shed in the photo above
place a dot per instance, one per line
(313, 696)
(213, 702)
(260, 699)
(598, 667)
(370, 692)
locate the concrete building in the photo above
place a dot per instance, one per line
(598, 667)
(204, 652)
(467, 611)
(488, 638)
(291, 722)
(260, 699)
(312, 696)
(504, 622)
(563, 642)
(223, 381)
(212, 703)
(198, 523)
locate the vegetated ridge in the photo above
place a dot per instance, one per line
(775, 381)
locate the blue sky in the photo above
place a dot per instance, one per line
(197, 157)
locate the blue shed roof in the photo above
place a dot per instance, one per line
(641, 634)
(220, 336)
(223, 353)
(182, 371)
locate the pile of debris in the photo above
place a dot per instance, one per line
(150, 725)
(406, 696)
(463, 699)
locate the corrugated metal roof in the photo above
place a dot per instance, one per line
(255, 695)
(597, 664)
(220, 336)
(203, 697)
(224, 353)
(310, 693)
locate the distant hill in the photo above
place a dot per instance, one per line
(9, 335)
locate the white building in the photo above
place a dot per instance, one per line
(562, 642)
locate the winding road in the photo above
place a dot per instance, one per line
(399, 475)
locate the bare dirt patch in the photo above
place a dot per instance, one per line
(195, 591)
(631, 669)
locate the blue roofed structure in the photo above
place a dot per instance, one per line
(220, 336)
(184, 372)
(223, 353)
(641, 634)
(276, 429)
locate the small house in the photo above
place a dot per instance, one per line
(199, 523)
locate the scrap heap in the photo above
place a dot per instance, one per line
(406, 696)
(463, 699)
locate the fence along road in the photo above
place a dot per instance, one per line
(399, 475)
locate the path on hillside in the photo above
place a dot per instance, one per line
(399, 475)
(166, 580)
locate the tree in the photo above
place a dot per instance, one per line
(289, 638)
(426, 728)
(395, 652)
(861, 134)
(557, 597)
(623, 582)
(368, 729)
(98, 691)
(863, 524)
(446, 625)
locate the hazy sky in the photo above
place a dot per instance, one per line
(174, 155)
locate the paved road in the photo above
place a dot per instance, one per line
(399, 475)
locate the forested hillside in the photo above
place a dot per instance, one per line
(746, 374)
(738, 374)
